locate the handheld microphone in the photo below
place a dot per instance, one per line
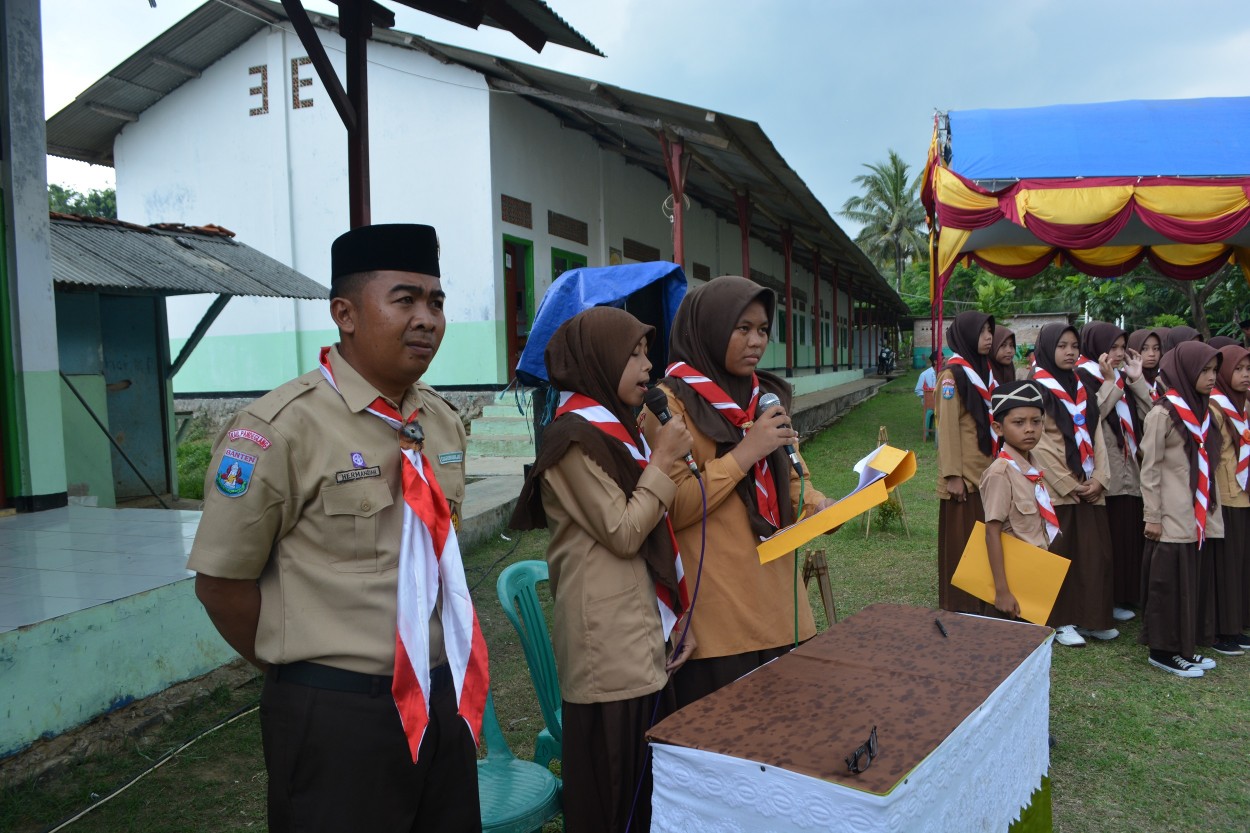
(657, 403)
(771, 400)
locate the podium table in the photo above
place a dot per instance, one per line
(962, 728)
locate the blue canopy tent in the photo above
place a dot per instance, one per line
(611, 286)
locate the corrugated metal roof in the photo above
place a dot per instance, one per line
(120, 256)
(729, 155)
(503, 14)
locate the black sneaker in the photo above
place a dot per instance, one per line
(1243, 641)
(1228, 647)
(1175, 664)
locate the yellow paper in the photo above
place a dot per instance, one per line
(898, 465)
(1033, 574)
(786, 540)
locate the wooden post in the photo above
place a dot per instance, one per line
(814, 564)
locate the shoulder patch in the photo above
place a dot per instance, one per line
(234, 473)
(426, 389)
(948, 389)
(245, 434)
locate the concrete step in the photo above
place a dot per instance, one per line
(504, 445)
(503, 410)
(495, 426)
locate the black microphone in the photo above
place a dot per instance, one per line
(772, 400)
(657, 403)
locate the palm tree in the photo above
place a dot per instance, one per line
(890, 212)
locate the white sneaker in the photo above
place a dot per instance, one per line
(1122, 614)
(1109, 633)
(1067, 635)
(1205, 663)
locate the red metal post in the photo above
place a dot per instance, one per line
(675, 164)
(792, 332)
(744, 228)
(836, 358)
(820, 322)
(356, 23)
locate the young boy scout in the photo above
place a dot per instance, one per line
(297, 553)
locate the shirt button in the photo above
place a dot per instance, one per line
(364, 506)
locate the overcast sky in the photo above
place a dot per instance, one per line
(834, 83)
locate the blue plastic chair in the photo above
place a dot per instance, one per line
(516, 796)
(518, 594)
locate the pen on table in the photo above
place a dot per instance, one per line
(941, 627)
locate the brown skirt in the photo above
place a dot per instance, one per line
(1085, 597)
(1221, 565)
(955, 522)
(700, 677)
(1124, 519)
(1237, 536)
(1169, 588)
(1211, 551)
(605, 761)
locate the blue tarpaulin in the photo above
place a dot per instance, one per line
(1195, 137)
(581, 289)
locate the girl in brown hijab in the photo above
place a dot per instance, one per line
(1181, 507)
(1149, 345)
(1003, 355)
(1075, 470)
(1179, 335)
(1231, 420)
(612, 562)
(964, 449)
(746, 613)
(1113, 374)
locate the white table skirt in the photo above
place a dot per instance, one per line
(978, 779)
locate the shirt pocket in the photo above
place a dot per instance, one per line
(1026, 505)
(353, 508)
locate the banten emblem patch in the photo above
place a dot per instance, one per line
(234, 474)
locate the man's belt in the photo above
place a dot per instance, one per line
(315, 675)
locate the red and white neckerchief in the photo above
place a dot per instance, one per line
(1122, 411)
(765, 497)
(1076, 410)
(1202, 494)
(606, 421)
(1241, 429)
(982, 388)
(429, 559)
(1044, 507)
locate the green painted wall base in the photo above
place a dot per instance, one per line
(63, 672)
(88, 458)
(823, 381)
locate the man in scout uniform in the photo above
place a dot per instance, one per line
(327, 557)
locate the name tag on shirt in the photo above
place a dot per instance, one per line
(451, 457)
(357, 474)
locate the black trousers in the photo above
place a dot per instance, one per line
(339, 761)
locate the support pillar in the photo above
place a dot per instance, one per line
(30, 421)
(792, 332)
(836, 358)
(356, 25)
(743, 201)
(676, 164)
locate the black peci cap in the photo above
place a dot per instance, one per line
(401, 247)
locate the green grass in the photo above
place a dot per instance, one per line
(1138, 750)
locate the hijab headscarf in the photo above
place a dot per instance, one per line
(1047, 341)
(1136, 341)
(701, 330)
(962, 336)
(1096, 339)
(1180, 367)
(1003, 372)
(1179, 335)
(1220, 342)
(1230, 355)
(587, 354)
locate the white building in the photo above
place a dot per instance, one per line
(525, 172)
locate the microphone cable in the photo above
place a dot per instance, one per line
(659, 695)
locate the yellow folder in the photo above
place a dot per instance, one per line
(1033, 574)
(897, 466)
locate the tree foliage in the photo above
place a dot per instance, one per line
(94, 203)
(891, 215)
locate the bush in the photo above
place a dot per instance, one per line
(193, 459)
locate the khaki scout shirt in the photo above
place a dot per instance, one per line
(1010, 497)
(1166, 497)
(1231, 493)
(304, 495)
(958, 452)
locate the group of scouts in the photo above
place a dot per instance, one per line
(1127, 454)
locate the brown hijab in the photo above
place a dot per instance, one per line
(1136, 341)
(1179, 368)
(700, 338)
(587, 355)
(1003, 372)
(1220, 342)
(1047, 342)
(1179, 335)
(962, 336)
(1096, 339)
